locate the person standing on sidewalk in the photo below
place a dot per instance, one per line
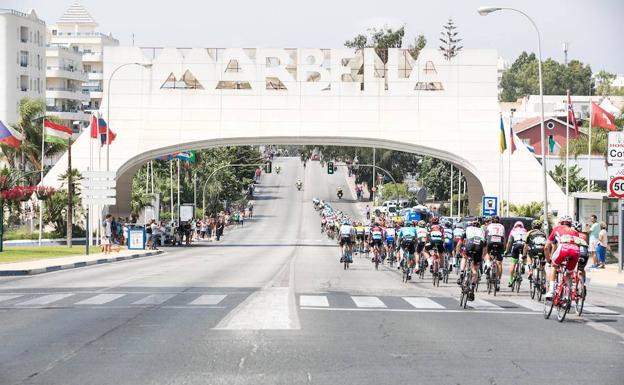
(593, 238)
(107, 237)
(602, 246)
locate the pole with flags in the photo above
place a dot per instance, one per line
(589, 140)
(503, 147)
(41, 180)
(512, 144)
(451, 191)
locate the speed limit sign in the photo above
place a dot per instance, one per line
(616, 187)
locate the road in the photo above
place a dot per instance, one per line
(270, 304)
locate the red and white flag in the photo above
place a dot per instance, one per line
(601, 118)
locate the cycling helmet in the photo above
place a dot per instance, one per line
(435, 220)
(576, 225)
(518, 224)
(536, 224)
(495, 219)
(475, 223)
(458, 225)
(410, 224)
(566, 219)
(346, 222)
(421, 223)
(447, 224)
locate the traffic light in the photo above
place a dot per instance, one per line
(330, 167)
(268, 166)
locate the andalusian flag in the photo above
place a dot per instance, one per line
(503, 141)
(56, 133)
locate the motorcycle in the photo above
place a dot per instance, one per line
(299, 186)
(339, 194)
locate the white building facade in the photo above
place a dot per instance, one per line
(65, 76)
(76, 28)
(22, 61)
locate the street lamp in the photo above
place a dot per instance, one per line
(108, 102)
(484, 11)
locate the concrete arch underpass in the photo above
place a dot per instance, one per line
(127, 171)
(430, 106)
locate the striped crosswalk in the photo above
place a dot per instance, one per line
(330, 301)
(428, 304)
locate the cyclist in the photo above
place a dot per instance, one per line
(583, 250)
(390, 237)
(471, 244)
(299, 184)
(367, 231)
(421, 239)
(375, 239)
(515, 248)
(495, 240)
(436, 242)
(407, 237)
(534, 246)
(448, 241)
(359, 236)
(347, 232)
(458, 234)
(563, 238)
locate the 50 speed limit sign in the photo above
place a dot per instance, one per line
(616, 187)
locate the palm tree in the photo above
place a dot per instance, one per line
(577, 182)
(579, 145)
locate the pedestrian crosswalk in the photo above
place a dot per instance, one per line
(341, 301)
(330, 301)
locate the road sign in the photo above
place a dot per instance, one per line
(99, 188)
(614, 188)
(100, 201)
(615, 148)
(489, 206)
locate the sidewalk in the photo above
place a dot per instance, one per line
(607, 277)
(41, 266)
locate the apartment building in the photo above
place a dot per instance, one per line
(22, 61)
(77, 29)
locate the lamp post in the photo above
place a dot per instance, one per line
(484, 11)
(108, 103)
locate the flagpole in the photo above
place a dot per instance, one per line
(90, 206)
(589, 147)
(41, 181)
(98, 207)
(171, 184)
(178, 211)
(459, 179)
(451, 191)
(511, 144)
(567, 163)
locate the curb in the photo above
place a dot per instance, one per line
(49, 269)
(610, 285)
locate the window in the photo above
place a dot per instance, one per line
(23, 58)
(24, 83)
(23, 34)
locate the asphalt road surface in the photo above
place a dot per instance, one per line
(271, 304)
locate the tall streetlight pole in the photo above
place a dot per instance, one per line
(108, 103)
(484, 11)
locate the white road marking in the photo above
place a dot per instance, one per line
(423, 303)
(480, 304)
(367, 302)
(474, 311)
(154, 299)
(313, 300)
(46, 299)
(266, 309)
(208, 299)
(598, 310)
(100, 299)
(8, 297)
(527, 303)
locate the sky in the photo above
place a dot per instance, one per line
(593, 29)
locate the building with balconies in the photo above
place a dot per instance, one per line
(22, 61)
(76, 28)
(65, 77)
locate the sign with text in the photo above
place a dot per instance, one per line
(136, 238)
(615, 148)
(616, 181)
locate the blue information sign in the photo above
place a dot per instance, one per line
(489, 206)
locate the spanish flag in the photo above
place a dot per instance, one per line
(503, 141)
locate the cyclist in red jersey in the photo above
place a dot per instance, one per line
(564, 238)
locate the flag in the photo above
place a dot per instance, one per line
(187, 156)
(94, 127)
(601, 118)
(98, 126)
(511, 139)
(10, 137)
(56, 133)
(530, 148)
(552, 144)
(103, 136)
(571, 116)
(503, 141)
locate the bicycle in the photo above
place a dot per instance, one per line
(347, 257)
(435, 267)
(492, 280)
(390, 255)
(376, 256)
(467, 292)
(516, 279)
(581, 292)
(538, 278)
(422, 265)
(565, 293)
(406, 269)
(447, 267)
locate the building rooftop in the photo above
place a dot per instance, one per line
(77, 14)
(32, 15)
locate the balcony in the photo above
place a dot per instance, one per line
(95, 75)
(89, 57)
(68, 113)
(66, 93)
(66, 73)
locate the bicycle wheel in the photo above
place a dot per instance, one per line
(564, 302)
(548, 307)
(376, 262)
(540, 288)
(535, 283)
(581, 293)
(466, 288)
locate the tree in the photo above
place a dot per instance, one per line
(521, 79)
(577, 182)
(605, 86)
(450, 42)
(579, 145)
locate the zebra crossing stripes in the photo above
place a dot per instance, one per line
(313, 300)
(480, 304)
(368, 302)
(6, 297)
(422, 303)
(154, 299)
(208, 299)
(45, 299)
(100, 299)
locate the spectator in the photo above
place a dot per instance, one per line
(156, 235)
(593, 238)
(148, 232)
(250, 207)
(602, 246)
(107, 234)
(219, 228)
